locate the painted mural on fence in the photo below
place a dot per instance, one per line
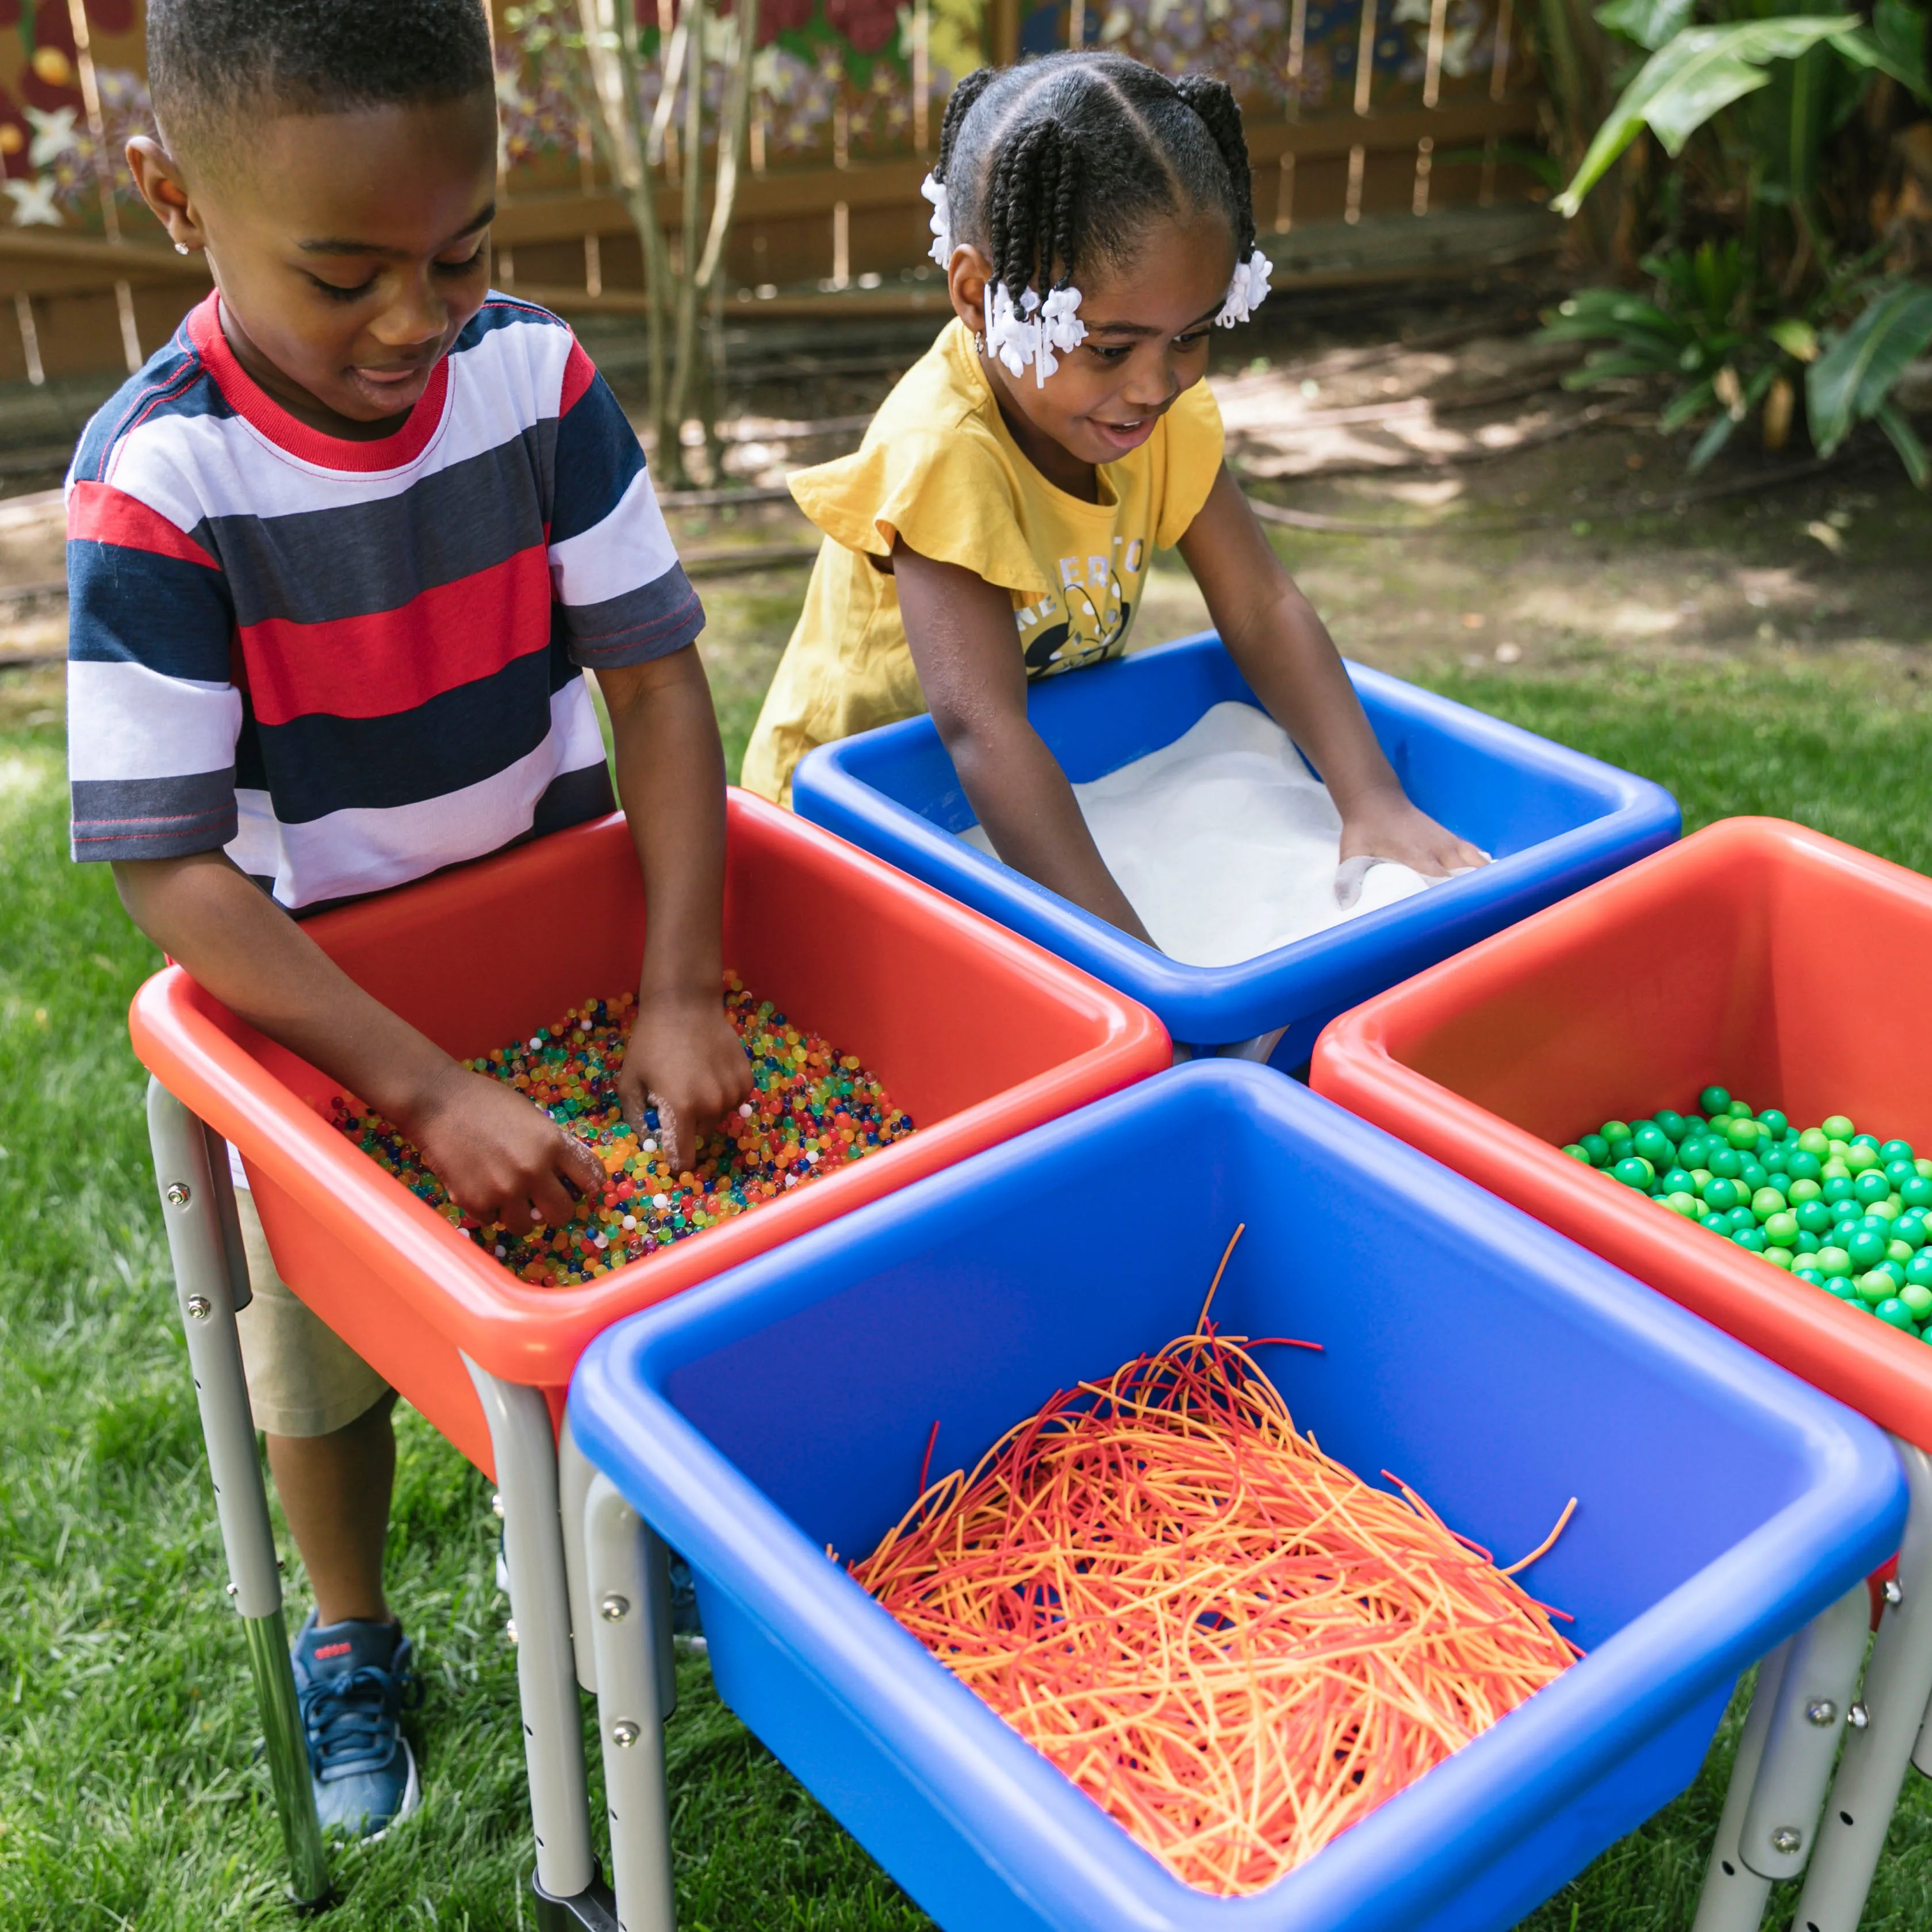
(835, 80)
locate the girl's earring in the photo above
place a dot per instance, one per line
(979, 342)
(182, 248)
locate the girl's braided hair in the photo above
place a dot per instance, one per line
(1064, 160)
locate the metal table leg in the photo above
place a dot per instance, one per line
(1734, 1897)
(567, 1888)
(1898, 1688)
(632, 1634)
(211, 1282)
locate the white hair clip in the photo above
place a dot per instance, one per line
(1248, 290)
(1030, 332)
(934, 189)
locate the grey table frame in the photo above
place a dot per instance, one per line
(542, 1486)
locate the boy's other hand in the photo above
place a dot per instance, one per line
(500, 1155)
(1385, 825)
(685, 1060)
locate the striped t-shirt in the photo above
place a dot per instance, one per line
(348, 664)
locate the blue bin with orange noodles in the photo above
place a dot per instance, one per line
(785, 1408)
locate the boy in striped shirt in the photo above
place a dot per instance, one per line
(338, 558)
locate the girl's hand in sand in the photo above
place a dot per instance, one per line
(501, 1157)
(1384, 825)
(684, 1059)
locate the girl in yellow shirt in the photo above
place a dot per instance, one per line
(997, 523)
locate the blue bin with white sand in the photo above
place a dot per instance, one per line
(1552, 820)
(785, 1409)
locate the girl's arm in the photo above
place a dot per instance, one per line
(961, 630)
(1284, 651)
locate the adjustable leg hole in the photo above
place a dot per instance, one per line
(1844, 1817)
(1730, 1870)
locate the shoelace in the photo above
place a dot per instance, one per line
(348, 1719)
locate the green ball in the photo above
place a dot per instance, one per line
(1895, 1150)
(1676, 1181)
(1720, 1194)
(1740, 1110)
(1813, 1216)
(1728, 1162)
(1845, 1288)
(1754, 1174)
(1805, 1271)
(1767, 1201)
(1837, 1126)
(1875, 1287)
(1578, 1153)
(1633, 1171)
(1834, 1261)
(1781, 1230)
(1751, 1240)
(1808, 1244)
(1672, 1124)
(1894, 1314)
(1713, 1099)
(1742, 1134)
(1919, 1268)
(1895, 1270)
(1718, 1224)
(1683, 1202)
(1779, 1257)
(1909, 1229)
(1866, 1249)
(1918, 1299)
(1614, 1130)
(1898, 1251)
(1802, 1164)
(1837, 1187)
(1924, 1167)
(1870, 1187)
(1773, 1122)
(1866, 1141)
(1861, 1160)
(1887, 1211)
(1898, 1172)
(1916, 1193)
(1815, 1142)
(1693, 1150)
(1654, 1144)
(1800, 1191)
(1596, 1148)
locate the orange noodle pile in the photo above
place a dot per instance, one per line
(1232, 1644)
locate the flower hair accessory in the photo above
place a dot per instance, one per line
(1030, 332)
(934, 189)
(1248, 290)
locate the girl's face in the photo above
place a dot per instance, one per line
(1147, 326)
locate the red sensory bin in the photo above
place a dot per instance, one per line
(1757, 955)
(976, 1034)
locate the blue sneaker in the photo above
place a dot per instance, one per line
(351, 1680)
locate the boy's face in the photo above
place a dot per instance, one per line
(350, 248)
(1148, 329)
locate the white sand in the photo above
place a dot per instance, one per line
(1227, 845)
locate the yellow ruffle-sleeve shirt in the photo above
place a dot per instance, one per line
(939, 467)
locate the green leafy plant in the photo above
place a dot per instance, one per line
(1764, 291)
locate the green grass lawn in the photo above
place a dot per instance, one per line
(128, 1797)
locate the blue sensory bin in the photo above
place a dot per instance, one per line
(1554, 820)
(1500, 1370)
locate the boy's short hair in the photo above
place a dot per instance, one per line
(210, 62)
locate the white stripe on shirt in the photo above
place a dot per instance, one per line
(127, 721)
(630, 547)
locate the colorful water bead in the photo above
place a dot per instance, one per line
(1839, 1209)
(812, 1110)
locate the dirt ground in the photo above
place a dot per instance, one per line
(1466, 509)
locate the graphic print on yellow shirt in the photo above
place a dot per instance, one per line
(939, 468)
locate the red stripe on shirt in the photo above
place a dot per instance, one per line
(393, 661)
(99, 513)
(579, 373)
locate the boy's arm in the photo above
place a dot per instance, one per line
(499, 1155)
(1284, 651)
(683, 1053)
(961, 630)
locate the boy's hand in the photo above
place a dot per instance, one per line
(685, 1060)
(501, 1157)
(1385, 825)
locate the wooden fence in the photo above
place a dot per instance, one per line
(837, 228)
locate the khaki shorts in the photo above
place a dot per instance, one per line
(303, 1378)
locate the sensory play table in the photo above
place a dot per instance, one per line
(1776, 961)
(976, 1034)
(1555, 820)
(781, 1411)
